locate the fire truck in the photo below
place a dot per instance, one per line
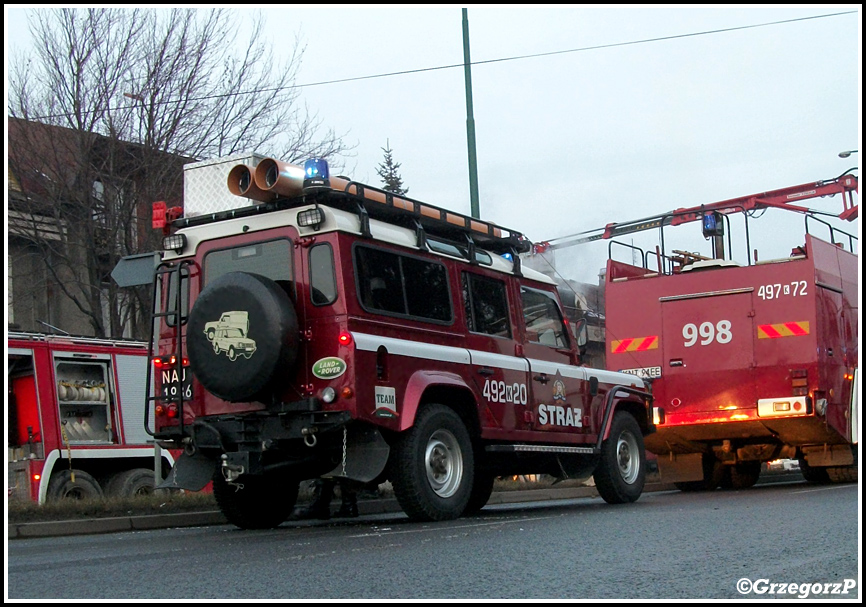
(749, 361)
(308, 325)
(75, 419)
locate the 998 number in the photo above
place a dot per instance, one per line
(707, 333)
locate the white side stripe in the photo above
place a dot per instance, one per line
(414, 349)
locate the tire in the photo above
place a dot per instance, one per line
(842, 474)
(62, 487)
(131, 483)
(813, 474)
(482, 489)
(744, 474)
(432, 467)
(272, 325)
(715, 475)
(621, 471)
(256, 502)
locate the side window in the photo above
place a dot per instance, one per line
(402, 285)
(379, 280)
(426, 284)
(323, 284)
(486, 305)
(543, 320)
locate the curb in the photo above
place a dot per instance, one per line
(201, 519)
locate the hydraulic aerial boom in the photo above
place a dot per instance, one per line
(783, 198)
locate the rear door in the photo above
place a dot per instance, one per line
(708, 353)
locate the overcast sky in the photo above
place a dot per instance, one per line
(572, 141)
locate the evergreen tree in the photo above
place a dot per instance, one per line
(388, 172)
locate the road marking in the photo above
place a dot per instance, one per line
(388, 531)
(826, 488)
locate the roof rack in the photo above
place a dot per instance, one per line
(283, 190)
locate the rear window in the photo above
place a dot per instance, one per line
(323, 283)
(400, 285)
(272, 259)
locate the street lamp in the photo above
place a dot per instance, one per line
(847, 154)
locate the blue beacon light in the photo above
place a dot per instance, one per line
(316, 174)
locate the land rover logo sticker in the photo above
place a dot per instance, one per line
(386, 402)
(229, 335)
(329, 368)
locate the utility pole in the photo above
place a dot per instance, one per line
(470, 122)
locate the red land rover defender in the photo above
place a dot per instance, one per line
(326, 327)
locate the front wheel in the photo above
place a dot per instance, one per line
(256, 502)
(432, 466)
(482, 489)
(621, 472)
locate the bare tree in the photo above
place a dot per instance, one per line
(109, 106)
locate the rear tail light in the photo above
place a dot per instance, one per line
(161, 362)
(345, 338)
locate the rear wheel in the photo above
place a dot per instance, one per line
(62, 486)
(432, 467)
(714, 472)
(138, 481)
(745, 474)
(621, 472)
(813, 474)
(842, 474)
(256, 502)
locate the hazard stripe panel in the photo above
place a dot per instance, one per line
(635, 344)
(783, 329)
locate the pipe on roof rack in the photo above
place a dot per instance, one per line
(242, 183)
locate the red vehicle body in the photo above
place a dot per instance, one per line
(367, 336)
(749, 363)
(75, 418)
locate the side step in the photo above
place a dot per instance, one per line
(541, 449)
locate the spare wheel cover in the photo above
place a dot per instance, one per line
(262, 353)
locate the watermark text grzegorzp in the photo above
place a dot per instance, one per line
(801, 589)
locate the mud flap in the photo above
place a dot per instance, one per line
(366, 455)
(190, 472)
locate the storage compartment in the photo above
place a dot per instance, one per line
(84, 399)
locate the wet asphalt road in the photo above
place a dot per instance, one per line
(667, 545)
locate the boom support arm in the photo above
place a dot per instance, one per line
(782, 199)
